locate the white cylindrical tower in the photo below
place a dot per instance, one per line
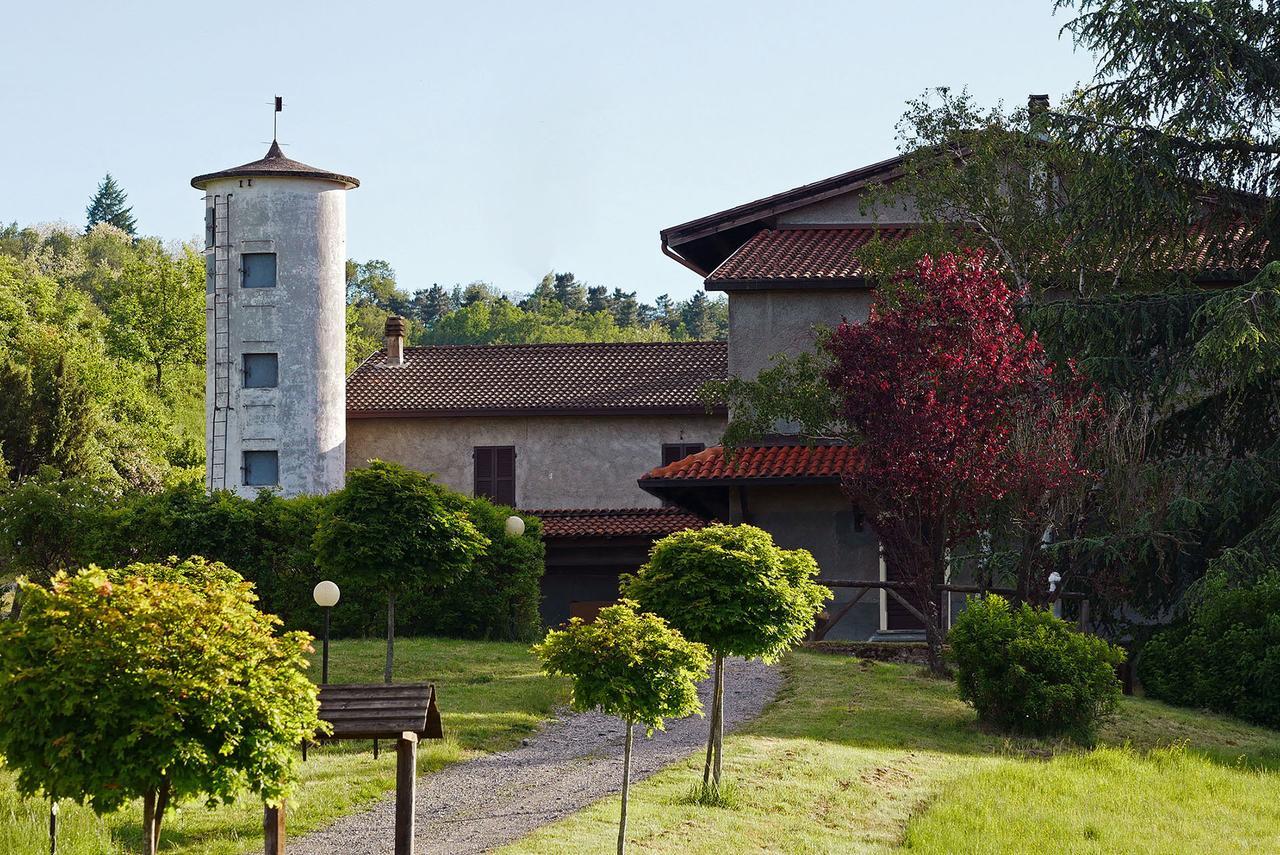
(275, 262)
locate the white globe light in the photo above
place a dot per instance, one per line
(326, 594)
(515, 526)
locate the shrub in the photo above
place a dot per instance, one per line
(734, 590)
(497, 596)
(1028, 672)
(266, 540)
(164, 682)
(1223, 653)
(48, 523)
(628, 665)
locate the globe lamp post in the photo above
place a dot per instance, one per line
(326, 595)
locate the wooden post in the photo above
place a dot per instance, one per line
(406, 791)
(273, 828)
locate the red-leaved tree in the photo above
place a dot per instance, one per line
(957, 414)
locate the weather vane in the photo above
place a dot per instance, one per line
(275, 117)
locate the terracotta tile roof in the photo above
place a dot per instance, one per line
(616, 522)
(795, 254)
(828, 255)
(781, 460)
(542, 379)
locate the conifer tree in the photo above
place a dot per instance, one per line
(108, 206)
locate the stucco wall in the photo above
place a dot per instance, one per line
(821, 520)
(561, 461)
(848, 209)
(302, 319)
(765, 323)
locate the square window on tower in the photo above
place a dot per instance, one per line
(258, 269)
(261, 468)
(261, 370)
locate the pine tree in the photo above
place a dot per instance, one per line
(570, 293)
(108, 206)
(696, 316)
(597, 298)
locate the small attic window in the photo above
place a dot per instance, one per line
(259, 269)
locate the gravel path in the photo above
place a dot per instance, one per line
(568, 764)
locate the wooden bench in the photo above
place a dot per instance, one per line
(405, 712)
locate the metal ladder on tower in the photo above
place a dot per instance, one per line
(221, 342)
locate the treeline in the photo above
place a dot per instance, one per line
(101, 355)
(559, 308)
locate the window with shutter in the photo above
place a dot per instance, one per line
(495, 473)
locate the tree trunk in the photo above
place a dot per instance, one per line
(149, 822)
(391, 635)
(711, 741)
(626, 788)
(719, 724)
(162, 804)
(933, 638)
(711, 730)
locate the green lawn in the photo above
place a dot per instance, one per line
(491, 695)
(868, 757)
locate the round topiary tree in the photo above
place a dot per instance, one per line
(391, 527)
(628, 665)
(156, 681)
(734, 590)
(1026, 671)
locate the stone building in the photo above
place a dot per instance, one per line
(559, 430)
(787, 264)
(275, 259)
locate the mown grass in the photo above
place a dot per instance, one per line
(491, 695)
(869, 757)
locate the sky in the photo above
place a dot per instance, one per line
(493, 141)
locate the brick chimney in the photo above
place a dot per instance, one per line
(395, 331)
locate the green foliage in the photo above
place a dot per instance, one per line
(793, 390)
(730, 588)
(267, 540)
(627, 664)
(1190, 88)
(47, 523)
(108, 206)
(100, 340)
(390, 526)
(152, 680)
(156, 309)
(1223, 652)
(1028, 672)
(1043, 207)
(497, 596)
(560, 308)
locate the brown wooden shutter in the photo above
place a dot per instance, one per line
(504, 475)
(495, 473)
(483, 485)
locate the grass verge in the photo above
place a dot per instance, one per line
(858, 756)
(491, 695)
